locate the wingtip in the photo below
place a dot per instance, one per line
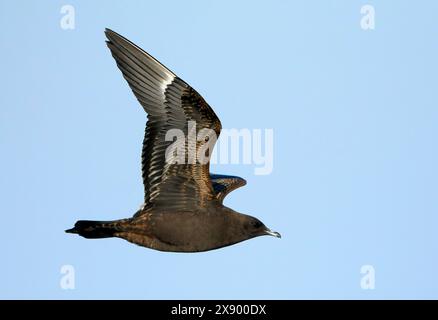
(115, 38)
(110, 34)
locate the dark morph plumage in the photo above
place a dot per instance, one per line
(94, 229)
(183, 208)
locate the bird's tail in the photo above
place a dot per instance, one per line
(96, 229)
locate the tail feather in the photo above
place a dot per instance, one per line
(95, 229)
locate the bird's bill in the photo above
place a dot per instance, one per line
(273, 233)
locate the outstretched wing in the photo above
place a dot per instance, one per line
(170, 103)
(223, 184)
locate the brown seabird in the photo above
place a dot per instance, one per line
(183, 210)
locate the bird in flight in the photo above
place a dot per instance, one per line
(183, 208)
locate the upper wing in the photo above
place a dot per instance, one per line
(223, 184)
(170, 103)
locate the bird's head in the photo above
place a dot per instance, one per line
(255, 228)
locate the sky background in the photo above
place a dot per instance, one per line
(355, 120)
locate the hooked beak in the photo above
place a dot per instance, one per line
(272, 233)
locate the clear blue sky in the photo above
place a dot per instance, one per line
(355, 119)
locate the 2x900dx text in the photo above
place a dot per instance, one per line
(240, 309)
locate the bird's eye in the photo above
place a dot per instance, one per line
(257, 224)
(206, 138)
